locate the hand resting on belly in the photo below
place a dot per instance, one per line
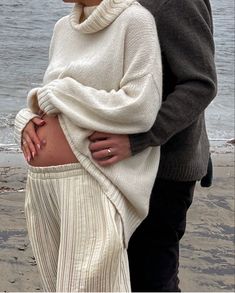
(56, 150)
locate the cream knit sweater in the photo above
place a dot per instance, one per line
(105, 74)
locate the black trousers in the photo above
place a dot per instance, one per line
(154, 247)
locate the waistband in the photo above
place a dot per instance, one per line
(59, 171)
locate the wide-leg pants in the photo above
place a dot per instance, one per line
(75, 232)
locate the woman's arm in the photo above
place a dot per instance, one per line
(132, 108)
(186, 37)
(25, 115)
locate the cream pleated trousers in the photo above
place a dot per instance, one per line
(75, 232)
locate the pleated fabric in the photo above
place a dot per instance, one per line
(75, 232)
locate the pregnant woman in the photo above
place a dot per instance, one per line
(104, 74)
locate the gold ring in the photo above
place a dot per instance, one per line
(109, 151)
(24, 142)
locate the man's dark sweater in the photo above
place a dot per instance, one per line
(189, 85)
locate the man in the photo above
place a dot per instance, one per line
(189, 85)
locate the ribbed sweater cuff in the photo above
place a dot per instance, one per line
(21, 120)
(139, 142)
(32, 100)
(45, 95)
(172, 168)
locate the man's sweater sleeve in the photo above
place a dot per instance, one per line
(185, 33)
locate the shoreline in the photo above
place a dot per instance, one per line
(207, 250)
(13, 166)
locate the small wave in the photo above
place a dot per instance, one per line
(7, 120)
(10, 148)
(221, 139)
(11, 5)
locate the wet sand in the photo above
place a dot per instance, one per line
(207, 249)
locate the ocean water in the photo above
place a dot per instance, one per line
(25, 30)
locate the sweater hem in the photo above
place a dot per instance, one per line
(172, 170)
(130, 219)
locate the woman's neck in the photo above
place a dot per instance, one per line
(85, 2)
(90, 2)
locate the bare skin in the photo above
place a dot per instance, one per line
(118, 144)
(84, 2)
(54, 148)
(44, 143)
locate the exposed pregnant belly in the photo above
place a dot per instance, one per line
(56, 151)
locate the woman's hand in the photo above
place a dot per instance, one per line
(30, 140)
(108, 149)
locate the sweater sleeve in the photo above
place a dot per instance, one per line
(21, 120)
(25, 115)
(130, 109)
(185, 33)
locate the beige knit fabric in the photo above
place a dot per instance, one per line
(75, 232)
(105, 74)
(102, 17)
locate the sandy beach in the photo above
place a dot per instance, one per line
(207, 250)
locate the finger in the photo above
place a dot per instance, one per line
(41, 113)
(110, 161)
(38, 121)
(30, 146)
(103, 154)
(26, 150)
(24, 153)
(98, 136)
(31, 132)
(23, 148)
(34, 138)
(99, 145)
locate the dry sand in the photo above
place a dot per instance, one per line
(207, 249)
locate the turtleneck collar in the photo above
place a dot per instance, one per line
(98, 17)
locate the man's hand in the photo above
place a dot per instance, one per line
(30, 140)
(108, 149)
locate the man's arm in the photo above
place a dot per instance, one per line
(185, 34)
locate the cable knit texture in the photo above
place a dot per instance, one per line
(105, 74)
